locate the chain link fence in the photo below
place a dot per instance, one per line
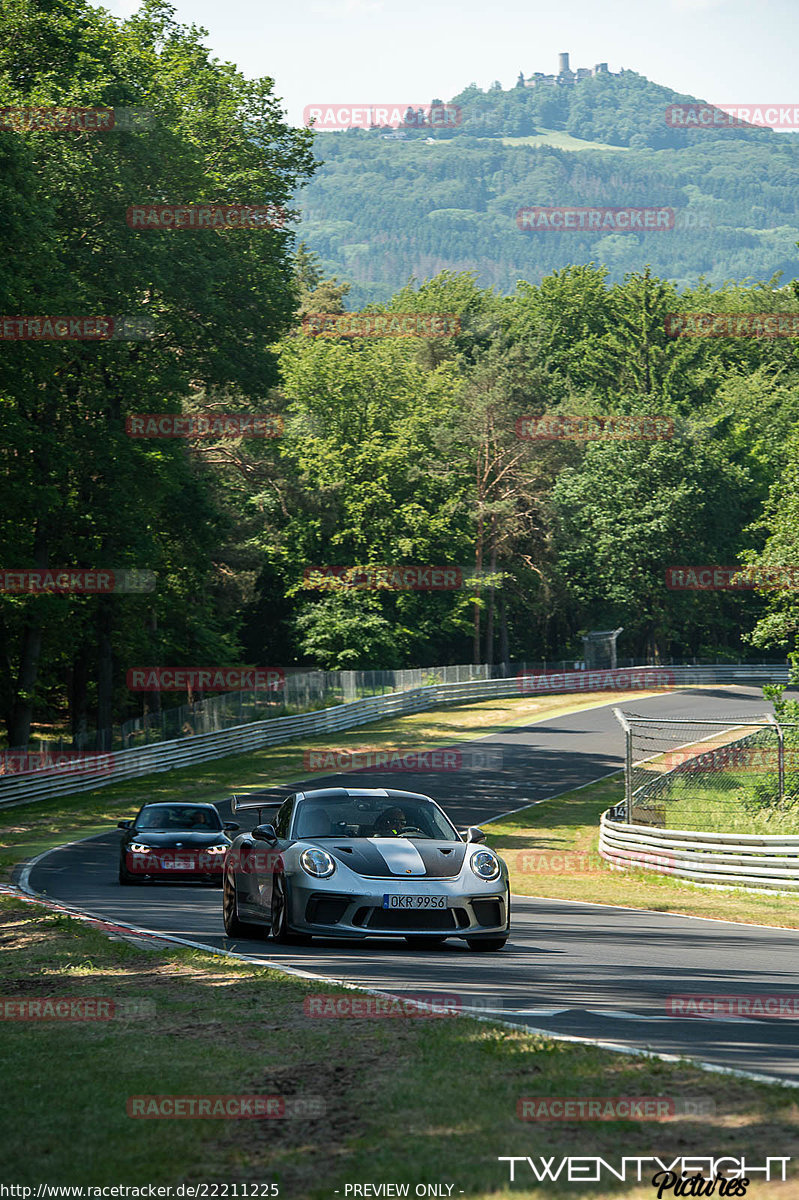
(715, 775)
(304, 691)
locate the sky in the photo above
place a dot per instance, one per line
(379, 51)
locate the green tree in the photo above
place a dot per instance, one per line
(218, 301)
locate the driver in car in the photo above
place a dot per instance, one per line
(392, 821)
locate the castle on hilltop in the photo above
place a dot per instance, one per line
(565, 76)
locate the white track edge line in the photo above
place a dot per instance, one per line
(613, 1047)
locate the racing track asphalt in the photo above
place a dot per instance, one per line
(571, 968)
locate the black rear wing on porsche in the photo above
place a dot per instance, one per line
(241, 802)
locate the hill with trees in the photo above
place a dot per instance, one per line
(385, 208)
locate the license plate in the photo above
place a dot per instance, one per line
(177, 865)
(414, 901)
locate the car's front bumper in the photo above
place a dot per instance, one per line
(162, 865)
(328, 913)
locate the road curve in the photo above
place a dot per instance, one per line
(574, 969)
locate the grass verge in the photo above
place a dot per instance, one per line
(408, 1100)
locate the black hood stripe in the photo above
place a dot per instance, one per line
(442, 860)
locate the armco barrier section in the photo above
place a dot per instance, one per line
(769, 861)
(185, 752)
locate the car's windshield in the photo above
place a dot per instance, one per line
(371, 816)
(178, 816)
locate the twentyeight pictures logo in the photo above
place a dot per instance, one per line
(329, 117)
(591, 1169)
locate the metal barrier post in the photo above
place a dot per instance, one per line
(628, 764)
(780, 757)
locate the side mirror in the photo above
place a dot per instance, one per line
(473, 834)
(124, 824)
(231, 825)
(265, 833)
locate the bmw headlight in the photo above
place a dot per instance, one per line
(485, 864)
(317, 863)
(215, 849)
(139, 848)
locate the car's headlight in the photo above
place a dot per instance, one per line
(214, 850)
(139, 848)
(485, 864)
(317, 863)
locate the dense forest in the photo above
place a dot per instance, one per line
(381, 210)
(391, 450)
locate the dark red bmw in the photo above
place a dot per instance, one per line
(174, 841)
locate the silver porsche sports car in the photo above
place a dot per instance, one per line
(364, 862)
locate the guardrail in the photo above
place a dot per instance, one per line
(763, 861)
(187, 751)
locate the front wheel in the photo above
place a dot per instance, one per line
(234, 926)
(486, 944)
(125, 878)
(281, 930)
